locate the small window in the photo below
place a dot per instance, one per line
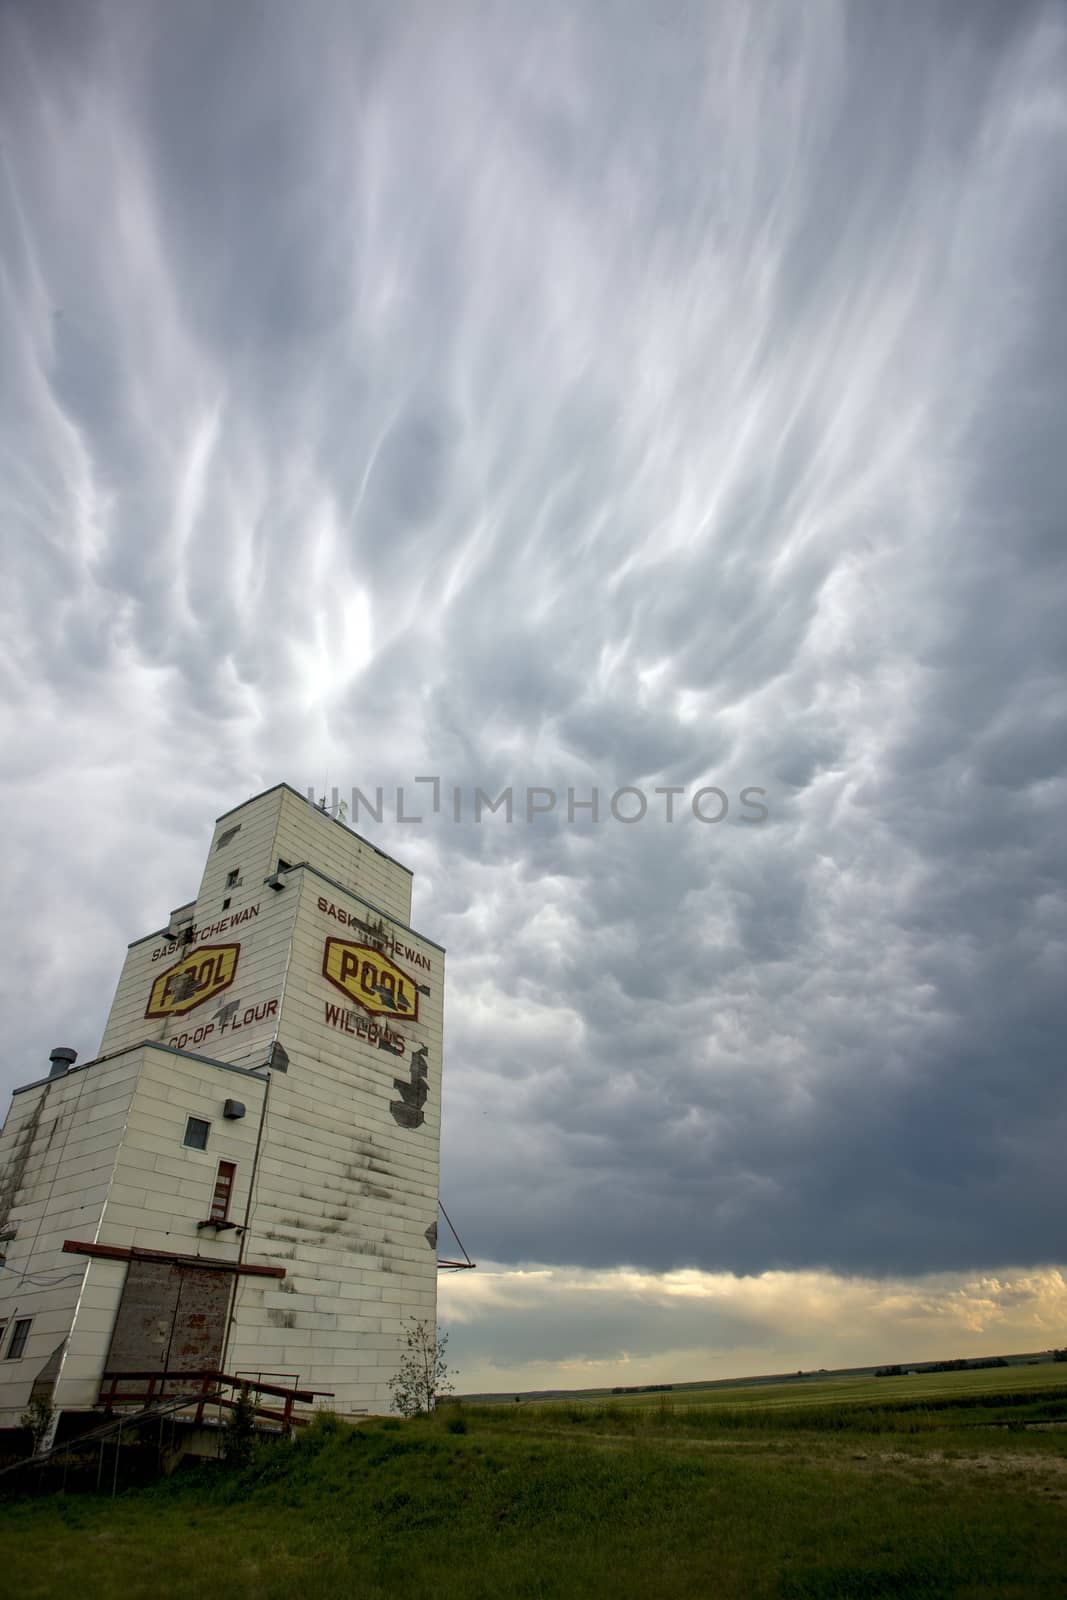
(227, 838)
(226, 904)
(19, 1334)
(233, 878)
(284, 866)
(220, 1203)
(196, 1132)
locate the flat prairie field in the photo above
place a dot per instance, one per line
(949, 1484)
(881, 1391)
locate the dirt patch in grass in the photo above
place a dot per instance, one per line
(1045, 1473)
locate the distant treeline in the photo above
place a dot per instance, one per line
(642, 1388)
(958, 1365)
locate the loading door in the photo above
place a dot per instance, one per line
(171, 1318)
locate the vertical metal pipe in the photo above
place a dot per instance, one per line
(243, 1246)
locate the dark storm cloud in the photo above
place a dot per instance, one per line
(550, 400)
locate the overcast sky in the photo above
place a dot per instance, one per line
(580, 397)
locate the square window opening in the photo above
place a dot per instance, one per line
(19, 1334)
(233, 878)
(220, 1202)
(196, 1132)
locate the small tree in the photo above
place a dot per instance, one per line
(37, 1420)
(423, 1374)
(239, 1435)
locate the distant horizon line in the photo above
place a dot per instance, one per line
(752, 1378)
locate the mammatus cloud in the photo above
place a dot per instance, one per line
(524, 400)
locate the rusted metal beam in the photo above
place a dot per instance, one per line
(118, 1252)
(202, 1380)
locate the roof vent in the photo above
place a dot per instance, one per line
(62, 1059)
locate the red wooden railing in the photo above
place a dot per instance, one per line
(207, 1388)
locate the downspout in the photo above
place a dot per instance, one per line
(243, 1246)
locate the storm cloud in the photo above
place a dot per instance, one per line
(575, 398)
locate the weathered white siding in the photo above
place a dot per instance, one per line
(343, 1193)
(97, 1157)
(347, 1196)
(57, 1154)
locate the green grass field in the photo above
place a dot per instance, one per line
(948, 1485)
(864, 1390)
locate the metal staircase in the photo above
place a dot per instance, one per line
(181, 1396)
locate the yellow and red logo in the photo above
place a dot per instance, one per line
(369, 978)
(199, 977)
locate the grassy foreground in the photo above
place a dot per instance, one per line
(925, 1496)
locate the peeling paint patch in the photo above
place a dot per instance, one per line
(407, 1111)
